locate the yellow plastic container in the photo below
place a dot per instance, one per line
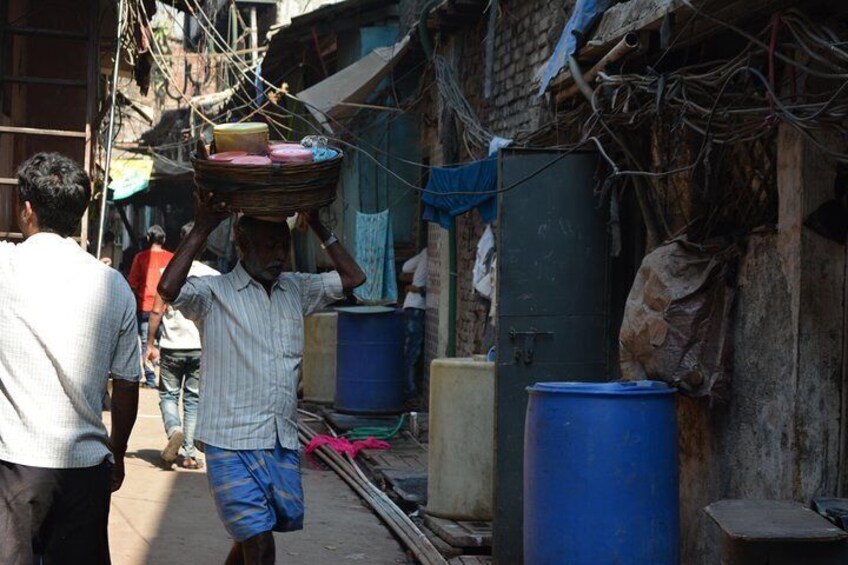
(250, 137)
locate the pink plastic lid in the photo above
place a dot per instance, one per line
(226, 156)
(283, 145)
(292, 155)
(251, 160)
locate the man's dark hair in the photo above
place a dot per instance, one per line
(155, 234)
(108, 236)
(185, 230)
(58, 190)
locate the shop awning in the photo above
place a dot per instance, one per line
(130, 176)
(339, 96)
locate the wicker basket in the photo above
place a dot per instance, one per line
(270, 190)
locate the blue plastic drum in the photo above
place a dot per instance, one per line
(601, 474)
(369, 362)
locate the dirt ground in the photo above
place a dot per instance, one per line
(167, 517)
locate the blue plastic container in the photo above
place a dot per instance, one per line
(601, 474)
(369, 368)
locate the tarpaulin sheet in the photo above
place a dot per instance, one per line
(337, 96)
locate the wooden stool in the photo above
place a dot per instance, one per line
(773, 532)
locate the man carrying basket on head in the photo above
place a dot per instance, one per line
(251, 326)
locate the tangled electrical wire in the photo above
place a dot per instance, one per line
(451, 95)
(728, 103)
(734, 101)
(793, 72)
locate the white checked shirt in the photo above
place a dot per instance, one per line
(66, 322)
(252, 350)
(177, 332)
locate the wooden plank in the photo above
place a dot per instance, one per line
(448, 551)
(45, 81)
(772, 520)
(648, 16)
(43, 131)
(40, 32)
(91, 105)
(462, 533)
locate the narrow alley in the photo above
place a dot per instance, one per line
(167, 517)
(430, 282)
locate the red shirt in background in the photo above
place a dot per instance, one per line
(145, 273)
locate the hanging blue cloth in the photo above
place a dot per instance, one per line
(375, 253)
(479, 178)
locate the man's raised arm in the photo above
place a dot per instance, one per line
(206, 218)
(350, 272)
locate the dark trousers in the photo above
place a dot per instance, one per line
(59, 515)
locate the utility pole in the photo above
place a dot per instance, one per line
(254, 37)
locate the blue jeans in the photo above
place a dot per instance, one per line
(413, 345)
(143, 324)
(179, 371)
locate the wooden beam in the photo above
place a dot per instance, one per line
(42, 131)
(39, 32)
(46, 81)
(648, 15)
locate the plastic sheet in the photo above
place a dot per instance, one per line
(676, 321)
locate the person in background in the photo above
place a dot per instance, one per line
(179, 369)
(414, 309)
(251, 326)
(68, 323)
(146, 270)
(110, 253)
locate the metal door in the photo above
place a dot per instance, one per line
(552, 305)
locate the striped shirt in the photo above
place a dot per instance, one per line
(252, 350)
(67, 322)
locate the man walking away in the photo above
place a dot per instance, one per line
(145, 273)
(179, 369)
(414, 309)
(251, 326)
(68, 324)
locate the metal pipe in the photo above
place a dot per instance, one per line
(629, 43)
(254, 38)
(393, 516)
(111, 131)
(652, 239)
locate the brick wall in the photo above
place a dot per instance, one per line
(471, 309)
(525, 35)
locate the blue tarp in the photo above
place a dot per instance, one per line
(585, 14)
(479, 180)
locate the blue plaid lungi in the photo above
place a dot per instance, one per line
(256, 491)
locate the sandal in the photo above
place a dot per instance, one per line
(191, 463)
